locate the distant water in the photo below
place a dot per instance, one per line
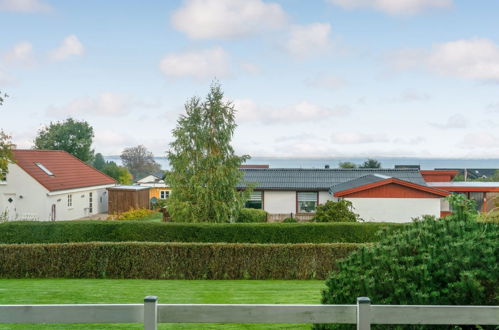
(425, 163)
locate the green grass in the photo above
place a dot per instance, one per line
(66, 291)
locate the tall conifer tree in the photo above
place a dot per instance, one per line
(204, 169)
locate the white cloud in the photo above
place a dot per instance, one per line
(27, 6)
(493, 107)
(480, 140)
(412, 96)
(357, 138)
(476, 59)
(394, 7)
(21, 53)
(208, 63)
(309, 40)
(227, 19)
(454, 121)
(70, 46)
(249, 111)
(106, 104)
(326, 81)
(251, 68)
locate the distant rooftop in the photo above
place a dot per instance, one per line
(128, 187)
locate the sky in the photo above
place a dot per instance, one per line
(318, 78)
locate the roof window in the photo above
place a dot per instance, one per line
(44, 169)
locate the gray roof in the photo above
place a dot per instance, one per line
(319, 179)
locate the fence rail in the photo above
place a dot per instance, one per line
(151, 313)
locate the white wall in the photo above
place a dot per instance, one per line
(395, 209)
(280, 201)
(324, 196)
(36, 201)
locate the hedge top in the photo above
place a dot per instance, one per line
(122, 231)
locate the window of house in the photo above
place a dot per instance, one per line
(70, 200)
(164, 194)
(307, 202)
(255, 200)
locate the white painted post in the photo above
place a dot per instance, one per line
(363, 313)
(151, 313)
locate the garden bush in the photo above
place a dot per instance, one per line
(121, 231)
(192, 261)
(252, 215)
(133, 214)
(290, 220)
(341, 211)
(452, 261)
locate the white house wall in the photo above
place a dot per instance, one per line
(324, 196)
(29, 196)
(395, 209)
(279, 202)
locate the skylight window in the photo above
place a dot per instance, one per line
(44, 169)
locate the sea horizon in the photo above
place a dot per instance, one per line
(333, 162)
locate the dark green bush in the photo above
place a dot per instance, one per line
(454, 261)
(290, 220)
(252, 215)
(341, 211)
(122, 231)
(171, 260)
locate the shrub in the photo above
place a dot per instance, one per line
(340, 211)
(133, 214)
(453, 261)
(121, 231)
(252, 215)
(171, 260)
(290, 220)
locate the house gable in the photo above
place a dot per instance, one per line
(392, 188)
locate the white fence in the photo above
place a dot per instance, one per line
(151, 313)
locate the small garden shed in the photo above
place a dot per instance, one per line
(124, 198)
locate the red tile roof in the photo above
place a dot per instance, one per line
(69, 172)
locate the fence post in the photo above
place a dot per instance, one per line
(363, 313)
(151, 313)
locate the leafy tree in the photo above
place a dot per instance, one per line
(5, 147)
(341, 211)
(347, 165)
(204, 169)
(72, 136)
(139, 161)
(370, 163)
(452, 261)
(99, 162)
(119, 173)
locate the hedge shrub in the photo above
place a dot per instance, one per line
(171, 260)
(432, 262)
(122, 231)
(252, 215)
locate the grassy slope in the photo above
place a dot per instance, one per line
(64, 291)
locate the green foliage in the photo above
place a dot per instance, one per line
(119, 173)
(204, 169)
(370, 163)
(6, 155)
(340, 211)
(493, 178)
(347, 165)
(252, 215)
(121, 231)
(462, 207)
(290, 220)
(99, 162)
(135, 214)
(139, 161)
(3, 96)
(72, 136)
(452, 261)
(192, 261)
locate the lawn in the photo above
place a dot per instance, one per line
(67, 291)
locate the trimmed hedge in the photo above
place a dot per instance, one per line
(171, 260)
(252, 215)
(123, 231)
